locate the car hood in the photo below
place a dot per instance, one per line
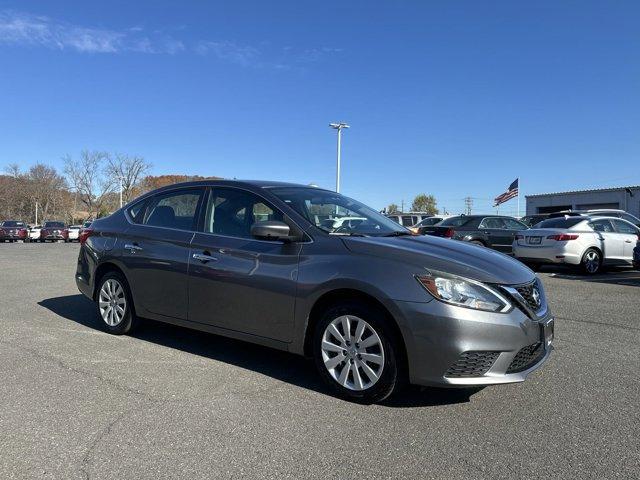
(450, 256)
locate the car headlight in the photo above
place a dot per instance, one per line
(463, 292)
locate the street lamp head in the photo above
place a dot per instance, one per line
(338, 126)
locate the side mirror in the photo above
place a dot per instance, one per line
(270, 230)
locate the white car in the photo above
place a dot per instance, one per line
(34, 233)
(74, 232)
(588, 242)
(344, 223)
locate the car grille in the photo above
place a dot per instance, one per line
(472, 364)
(526, 357)
(527, 293)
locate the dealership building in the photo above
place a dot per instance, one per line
(623, 198)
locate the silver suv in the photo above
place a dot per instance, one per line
(370, 303)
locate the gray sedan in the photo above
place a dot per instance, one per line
(373, 305)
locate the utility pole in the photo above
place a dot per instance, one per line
(402, 206)
(338, 127)
(468, 201)
(121, 187)
(36, 213)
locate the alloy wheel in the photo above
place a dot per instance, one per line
(592, 261)
(352, 352)
(112, 302)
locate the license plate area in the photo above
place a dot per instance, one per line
(535, 240)
(547, 332)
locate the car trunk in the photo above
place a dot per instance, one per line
(539, 237)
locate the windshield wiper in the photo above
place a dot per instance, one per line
(397, 233)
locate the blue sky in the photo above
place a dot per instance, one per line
(450, 98)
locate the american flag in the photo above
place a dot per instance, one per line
(512, 192)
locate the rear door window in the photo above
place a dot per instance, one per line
(492, 223)
(176, 209)
(603, 226)
(624, 227)
(512, 224)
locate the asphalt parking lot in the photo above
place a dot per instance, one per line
(170, 402)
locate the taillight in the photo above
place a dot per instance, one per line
(84, 234)
(449, 233)
(563, 237)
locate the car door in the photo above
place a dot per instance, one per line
(630, 236)
(612, 242)
(496, 234)
(238, 282)
(155, 250)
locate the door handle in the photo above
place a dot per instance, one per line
(204, 257)
(628, 241)
(132, 247)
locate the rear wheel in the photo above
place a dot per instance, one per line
(114, 304)
(591, 262)
(356, 352)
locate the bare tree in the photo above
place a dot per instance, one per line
(127, 171)
(88, 178)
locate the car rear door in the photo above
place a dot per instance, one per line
(238, 282)
(612, 242)
(630, 236)
(155, 251)
(496, 233)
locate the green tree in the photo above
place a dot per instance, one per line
(425, 203)
(393, 208)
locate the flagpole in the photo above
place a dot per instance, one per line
(519, 186)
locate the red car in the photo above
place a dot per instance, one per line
(13, 230)
(53, 231)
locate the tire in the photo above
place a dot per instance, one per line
(587, 264)
(383, 346)
(117, 323)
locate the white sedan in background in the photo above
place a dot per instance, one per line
(34, 233)
(74, 232)
(588, 242)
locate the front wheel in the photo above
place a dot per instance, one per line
(356, 352)
(591, 262)
(114, 304)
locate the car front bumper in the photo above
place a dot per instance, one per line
(454, 346)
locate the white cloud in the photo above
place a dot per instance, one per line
(24, 29)
(242, 55)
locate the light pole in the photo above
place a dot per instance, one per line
(338, 127)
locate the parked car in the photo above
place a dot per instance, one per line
(74, 232)
(54, 231)
(601, 212)
(427, 222)
(339, 224)
(636, 256)
(408, 219)
(13, 231)
(588, 242)
(531, 220)
(34, 233)
(493, 231)
(371, 306)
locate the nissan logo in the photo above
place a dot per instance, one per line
(535, 295)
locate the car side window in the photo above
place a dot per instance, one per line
(512, 224)
(602, 226)
(176, 209)
(624, 227)
(232, 212)
(629, 218)
(407, 221)
(492, 222)
(136, 213)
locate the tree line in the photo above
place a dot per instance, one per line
(421, 203)
(88, 187)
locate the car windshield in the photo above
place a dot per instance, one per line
(560, 222)
(336, 214)
(454, 222)
(53, 225)
(12, 223)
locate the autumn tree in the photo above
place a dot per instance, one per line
(89, 179)
(127, 171)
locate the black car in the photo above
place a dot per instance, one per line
(531, 220)
(493, 231)
(636, 255)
